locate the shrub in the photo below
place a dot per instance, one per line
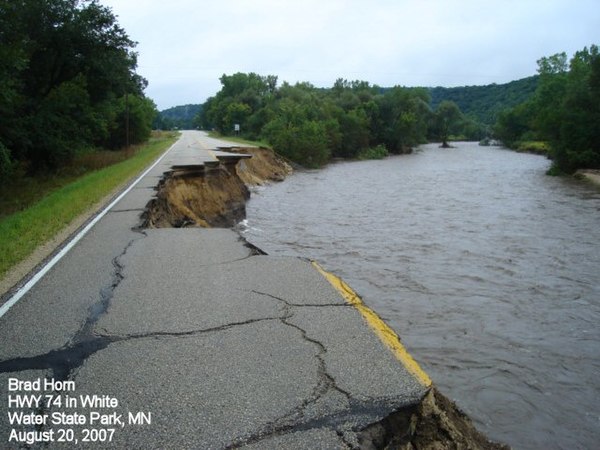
(378, 152)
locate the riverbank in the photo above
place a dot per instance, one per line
(593, 176)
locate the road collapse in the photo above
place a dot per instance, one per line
(214, 195)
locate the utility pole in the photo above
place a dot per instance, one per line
(127, 119)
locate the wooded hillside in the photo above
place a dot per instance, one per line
(484, 103)
(180, 117)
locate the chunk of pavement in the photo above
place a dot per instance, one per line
(205, 390)
(136, 199)
(188, 248)
(356, 358)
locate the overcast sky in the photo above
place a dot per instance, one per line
(186, 45)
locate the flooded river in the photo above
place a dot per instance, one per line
(488, 269)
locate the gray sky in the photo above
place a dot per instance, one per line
(186, 45)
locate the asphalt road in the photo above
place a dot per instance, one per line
(214, 344)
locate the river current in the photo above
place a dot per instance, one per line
(488, 269)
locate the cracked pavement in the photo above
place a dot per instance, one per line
(226, 347)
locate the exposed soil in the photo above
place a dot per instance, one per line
(264, 166)
(212, 196)
(435, 424)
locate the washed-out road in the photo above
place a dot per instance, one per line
(191, 338)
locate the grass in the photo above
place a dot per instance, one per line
(537, 147)
(64, 197)
(239, 140)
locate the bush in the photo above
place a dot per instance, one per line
(378, 152)
(537, 147)
(304, 143)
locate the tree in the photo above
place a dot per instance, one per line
(565, 111)
(308, 125)
(515, 125)
(64, 66)
(140, 112)
(576, 144)
(447, 118)
(399, 119)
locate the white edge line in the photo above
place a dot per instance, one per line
(44, 270)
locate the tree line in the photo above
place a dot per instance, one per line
(68, 83)
(310, 125)
(564, 111)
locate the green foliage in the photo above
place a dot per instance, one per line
(483, 104)
(538, 147)
(446, 121)
(140, 112)
(565, 112)
(180, 117)
(303, 142)
(309, 125)
(239, 101)
(64, 67)
(378, 152)
(515, 125)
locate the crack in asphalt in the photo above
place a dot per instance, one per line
(343, 423)
(84, 343)
(301, 305)
(159, 334)
(65, 360)
(295, 419)
(100, 308)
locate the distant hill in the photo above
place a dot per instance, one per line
(484, 103)
(180, 117)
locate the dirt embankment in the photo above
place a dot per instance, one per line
(435, 424)
(212, 196)
(264, 166)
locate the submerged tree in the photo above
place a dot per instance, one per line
(446, 118)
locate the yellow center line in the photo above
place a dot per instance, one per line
(381, 329)
(210, 152)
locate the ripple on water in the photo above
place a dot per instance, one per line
(487, 268)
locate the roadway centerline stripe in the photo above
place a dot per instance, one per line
(46, 268)
(381, 329)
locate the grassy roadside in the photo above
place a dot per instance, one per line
(23, 231)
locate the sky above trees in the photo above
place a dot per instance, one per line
(186, 45)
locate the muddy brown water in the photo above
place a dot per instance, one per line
(488, 269)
